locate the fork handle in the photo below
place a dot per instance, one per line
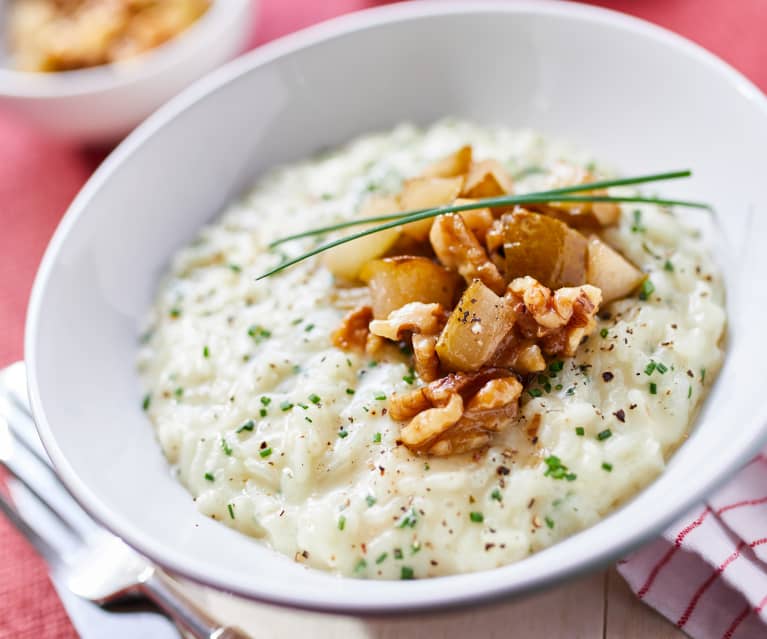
(163, 591)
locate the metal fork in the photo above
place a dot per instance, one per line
(93, 563)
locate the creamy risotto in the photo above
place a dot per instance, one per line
(282, 435)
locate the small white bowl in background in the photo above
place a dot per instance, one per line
(101, 104)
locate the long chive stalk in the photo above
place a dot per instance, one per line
(512, 199)
(554, 195)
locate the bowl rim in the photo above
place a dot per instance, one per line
(414, 596)
(149, 64)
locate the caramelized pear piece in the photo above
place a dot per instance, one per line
(610, 271)
(426, 193)
(396, 281)
(487, 178)
(544, 248)
(346, 260)
(456, 163)
(475, 329)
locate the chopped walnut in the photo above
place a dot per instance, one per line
(415, 317)
(353, 332)
(444, 423)
(458, 248)
(557, 320)
(425, 356)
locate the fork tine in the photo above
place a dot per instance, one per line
(10, 466)
(49, 552)
(40, 480)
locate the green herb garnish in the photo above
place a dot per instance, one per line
(580, 431)
(205, 352)
(549, 522)
(409, 520)
(226, 447)
(476, 517)
(209, 477)
(607, 467)
(557, 470)
(230, 508)
(370, 500)
(314, 398)
(341, 522)
(647, 289)
(265, 453)
(555, 195)
(603, 332)
(407, 573)
(605, 434)
(286, 406)
(653, 388)
(496, 495)
(147, 402)
(377, 438)
(248, 425)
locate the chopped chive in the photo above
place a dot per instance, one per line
(265, 453)
(259, 333)
(702, 375)
(341, 522)
(407, 573)
(648, 288)
(496, 495)
(535, 392)
(308, 419)
(382, 557)
(605, 434)
(226, 447)
(398, 553)
(556, 366)
(209, 477)
(370, 500)
(557, 470)
(476, 517)
(409, 378)
(236, 268)
(205, 352)
(360, 566)
(415, 547)
(304, 406)
(377, 438)
(559, 387)
(248, 425)
(147, 402)
(580, 431)
(230, 508)
(426, 466)
(662, 368)
(668, 266)
(653, 388)
(314, 398)
(179, 392)
(409, 520)
(604, 332)
(286, 405)
(637, 227)
(380, 397)
(549, 522)
(350, 391)
(309, 328)
(343, 433)
(297, 321)
(689, 392)
(266, 400)
(175, 313)
(263, 412)
(607, 467)
(650, 368)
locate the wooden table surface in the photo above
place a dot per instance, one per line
(597, 606)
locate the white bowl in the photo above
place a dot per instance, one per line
(101, 104)
(639, 96)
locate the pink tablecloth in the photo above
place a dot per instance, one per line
(38, 178)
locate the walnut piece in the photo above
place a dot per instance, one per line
(425, 356)
(458, 248)
(557, 320)
(457, 413)
(354, 332)
(415, 317)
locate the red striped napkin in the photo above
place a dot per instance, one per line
(708, 572)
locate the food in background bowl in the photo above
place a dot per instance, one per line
(438, 397)
(62, 35)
